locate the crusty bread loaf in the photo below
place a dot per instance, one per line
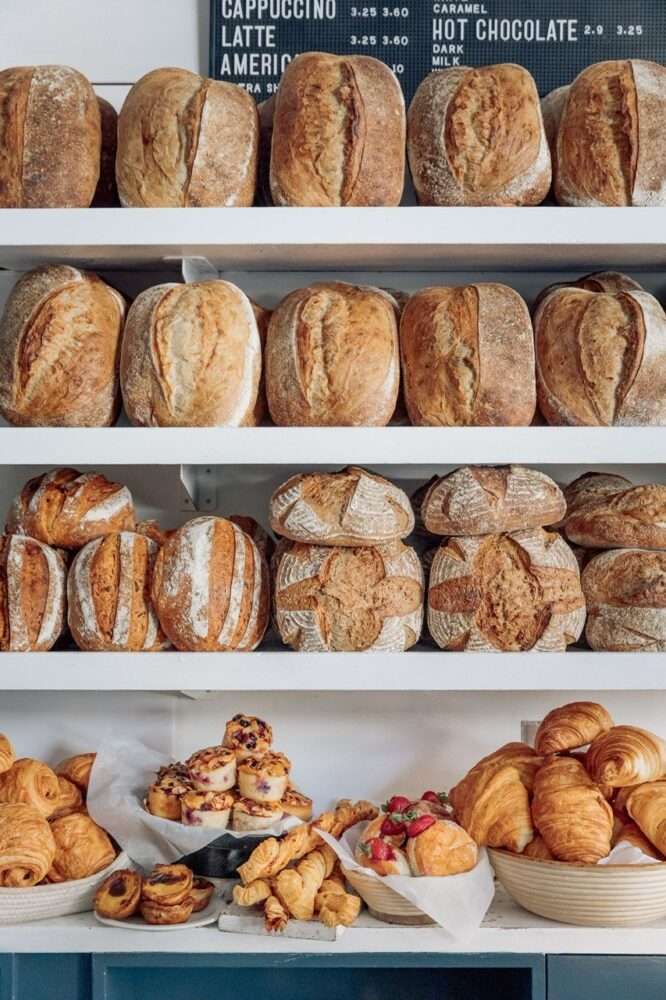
(352, 507)
(338, 133)
(468, 356)
(191, 356)
(106, 193)
(263, 318)
(632, 518)
(601, 358)
(589, 488)
(509, 592)
(59, 349)
(66, 508)
(610, 143)
(108, 593)
(32, 595)
(332, 357)
(481, 500)
(154, 530)
(211, 588)
(625, 592)
(185, 140)
(349, 599)
(266, 112)
(476, 137)
(259, 535)
(50, 138)
(598, 281)
(552, 106)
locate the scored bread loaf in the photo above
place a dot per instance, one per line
(32, 595)
(67, 508)
(332, 357)
(481, 500)
(338, 133)
(348, 599)
(589, 488)
(476, 137)
(625, 593)
(598, 281)
(552, 106)
(631, 518)
(510, 592)
(263, 318)
(106, 193)
(191, 356)
(211, 588)
(50, 132)
(59, 349)
(468, 357)
(185, 140)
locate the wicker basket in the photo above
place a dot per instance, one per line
(384, 903)
(586, 895)
(58, 900)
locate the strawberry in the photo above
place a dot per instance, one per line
(392, 827)
(420, 824)
(439, 798)
(397, 804)
(380, 850)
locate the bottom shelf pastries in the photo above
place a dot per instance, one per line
(158, 913)
(201, 893)
(82, 848)
(170, 894)
(167, 885)
(119, 895)
(27, 846)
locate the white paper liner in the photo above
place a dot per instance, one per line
(122, 772)
(458, 903)
(626, 853)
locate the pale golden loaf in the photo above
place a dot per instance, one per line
(625, 593)
(570, 812)
(571, 726)
(626, 755)
(632, 518)
(647, 807)
(492, 805)
(32, 595)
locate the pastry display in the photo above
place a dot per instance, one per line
(32, 594)
(169, 894)
(82, 848)
(119, 895)
(27, 847)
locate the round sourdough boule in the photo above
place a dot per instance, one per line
(108, 591)
(468, 357)
(349, 599)
(482, 500)
(510, 592)
(186, 140)
(211, 587)
(476, 137)
(351, 507)
(625, 592)
(631, 518)
(106, 193)
(32, 595)
(59, 349)
(191, 356)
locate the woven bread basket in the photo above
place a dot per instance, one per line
(385, 903)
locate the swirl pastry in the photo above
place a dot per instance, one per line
(201, 893)
(247, 736)
(119, 895)
(570, 812)
(69, 800)
(647, 807)
(264, 779)
(213, 769)
(27, 847)
(492, 805)
(167, 885)
(442, 849)
(571, 726)
(250, 815)
(7, 755)
(77, 770)
(82, 848)
(165, 802)
(294, 803)
(626, 755)
(206, 809)
(31, 782)
(158, 913)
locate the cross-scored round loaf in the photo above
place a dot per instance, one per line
(630, 518)
(510, 592)
(211, 588)
(32, 594)
(66, 508)
(348, 599)
(625, 592)
(108, 589)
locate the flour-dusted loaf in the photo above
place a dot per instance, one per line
(631, 518)
(601, 358)
(108, 593)
(106, 193)
(191, 356)
(476, 137)
(625, 592)
(348, 599)
(468, 357)
(589, 488)
(510, 592)
(338, 133)
(186, 140)
(32, 595)
(480, 500)
(211, 587)
(66, 508)
(59, 349)
(610, 142)
(50, 138)
(598, 281)
(263, 318)
(332, 357)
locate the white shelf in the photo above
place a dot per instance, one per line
(405, 238)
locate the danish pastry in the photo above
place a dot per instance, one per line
(31, 782)
(206, 809)
(264, 779)
(119, 895)
(201, 893)
(571, 726)
(626, 755)
(213, 769)
(250, 815)
(27, 847)
(159, 913)
(82, 848)
(77, 769)
(294, 803)
(297, 887)
(164, 801)
(7, 755)
(69, 800)
(247, 736)
(167, 885)
(443, 848)
(571, 813)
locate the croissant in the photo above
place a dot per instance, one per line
(492, 805)
(69, 800)
(31, 782)
(77, 770)
(571, 726)
(298, 886)
(335, 906)
(27, 847)
(620, 800)
(82, 848)
(626, 755)
(7, 755)
(647, 807)
(631, 833)
(537, 849)
(570, 812)
(518, 755)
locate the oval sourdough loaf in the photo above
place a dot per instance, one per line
(108, 590)
(332, 357)
(351, 507)
(32, 595)
(348, 599)
(476, 137)
(191, 356)
(185, 140)
(552, 106)
(51, 138)
(338, 133)
(599, 281)
(211, 588)
(625, 592)
(106, 193)
(510, 592)
(263, 318)
(631, 518)
(611, 136)
(67, 508)
(589, 488)
(59, 349)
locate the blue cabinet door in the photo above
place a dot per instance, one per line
(6, 977)
(52, 977)
(606, 977)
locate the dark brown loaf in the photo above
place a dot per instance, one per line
(625, 591)
(59, 349)
(185, 140)
(50, 138)
(106, 193)
(338, 133)
(468, 357)
(32, 595)
(476, 137)
(632, 518)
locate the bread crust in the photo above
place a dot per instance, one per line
(631, 518)
(32, 595)
(625, 591)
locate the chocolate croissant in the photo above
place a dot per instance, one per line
(571, 726)
(647, 807)
(69, 801)
(7, 755)
(82, 848)
(492, 805)
(77, 770)
(570, 812)
(27, 847)
(626, 755)
(31, 782)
